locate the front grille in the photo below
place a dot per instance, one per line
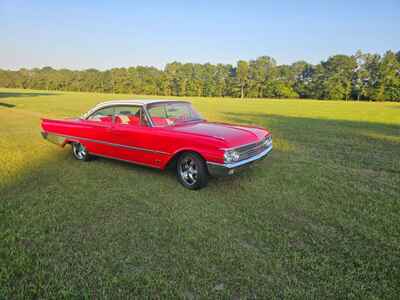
(254, 149)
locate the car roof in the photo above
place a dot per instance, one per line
(129, 102)
(138, 102)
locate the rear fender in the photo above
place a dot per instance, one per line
(55, 139)
(58, 139)
(70, 141)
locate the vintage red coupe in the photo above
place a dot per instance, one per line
(161, 133)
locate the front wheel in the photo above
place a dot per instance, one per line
(192, 171)
(80, 152)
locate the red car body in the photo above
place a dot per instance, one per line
(157, 146)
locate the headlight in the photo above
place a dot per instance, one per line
(230, 156)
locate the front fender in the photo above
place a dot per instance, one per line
(207, 154)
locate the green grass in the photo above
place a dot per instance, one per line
(320, 218)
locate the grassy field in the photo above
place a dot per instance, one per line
(320, 218)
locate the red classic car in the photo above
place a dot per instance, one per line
(161, 133)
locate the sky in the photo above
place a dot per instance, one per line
(105, 34)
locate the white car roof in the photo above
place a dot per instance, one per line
(129, 102)
(137, 102)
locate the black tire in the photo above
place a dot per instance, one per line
(191, 171)
(79, 152)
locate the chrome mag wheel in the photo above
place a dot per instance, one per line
(191, 171)
(188, 171)
(79, 151)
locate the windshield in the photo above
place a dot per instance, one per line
(172, 113)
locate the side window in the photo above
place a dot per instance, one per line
(157, 111)
(158, 115)
(129, 115)
(102, 115)
(177, 111)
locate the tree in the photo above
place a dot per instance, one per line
(300, 77)
(242, 73)
(363, 76)
(388, 83)
(337, 75)
(262, 71)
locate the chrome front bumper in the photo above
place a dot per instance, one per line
(217, 169)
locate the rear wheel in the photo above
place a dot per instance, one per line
(80, 152)
(191, 171)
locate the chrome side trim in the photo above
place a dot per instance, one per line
(242, 162)
(127, 161)
(107, 143)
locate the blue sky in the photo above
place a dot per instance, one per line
(105, 34)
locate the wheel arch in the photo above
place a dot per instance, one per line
(70, 141)
(171, 163)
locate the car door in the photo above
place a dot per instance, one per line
(96, 132)
(136, 139)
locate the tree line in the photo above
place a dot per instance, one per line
(362, 76)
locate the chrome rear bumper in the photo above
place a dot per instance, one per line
(54, 138)
(217, 169)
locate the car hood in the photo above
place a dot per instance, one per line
(232, 135)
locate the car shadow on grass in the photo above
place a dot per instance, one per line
(265, 119)
(168, 173)
(7, 105)
(24, 94)
(298, 128)
(14, 97)
(350, 143)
